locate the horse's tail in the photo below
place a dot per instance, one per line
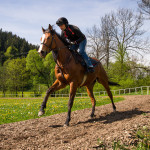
(113, 83)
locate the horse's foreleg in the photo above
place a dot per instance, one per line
(73, 88)
(56, 86)
(91, 95)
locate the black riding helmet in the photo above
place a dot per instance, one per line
(62, 21)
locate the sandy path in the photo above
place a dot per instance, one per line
(83, 133)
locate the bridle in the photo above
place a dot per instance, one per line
(53, 39)
(52, 32)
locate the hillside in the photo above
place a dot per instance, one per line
(20, 46)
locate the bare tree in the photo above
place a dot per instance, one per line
(144, 6)
(126, 34)
(95, 42)
(99, 39)
(106, 37)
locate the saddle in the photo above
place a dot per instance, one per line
(78, 59)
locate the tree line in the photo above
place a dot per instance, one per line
(12, 46)
(117, 42)
(23, 74)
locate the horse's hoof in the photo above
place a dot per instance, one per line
(41, 113)
(92, 116)
(66, 125)
(114, 110)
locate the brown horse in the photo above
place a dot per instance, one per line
(67, 71)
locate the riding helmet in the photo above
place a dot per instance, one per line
(62, 21)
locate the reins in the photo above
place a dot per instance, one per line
(55, 50)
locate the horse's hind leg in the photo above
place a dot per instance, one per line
(91, 95)
(104, 82)
(57, 85)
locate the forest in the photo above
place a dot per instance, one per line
(119, 42)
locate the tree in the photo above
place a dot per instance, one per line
(95, 42)
(3, 79)
(17, 74)
(126, 34)
(106, 37)
(11, 52)
(144, 6)
(42, 69)
(49, 65)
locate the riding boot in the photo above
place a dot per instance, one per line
(90, 69)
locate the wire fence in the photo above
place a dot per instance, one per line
(143, 90)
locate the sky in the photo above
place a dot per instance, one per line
(26, 17)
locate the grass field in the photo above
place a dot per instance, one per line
(13, 110)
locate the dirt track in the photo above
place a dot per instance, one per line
(83, 133)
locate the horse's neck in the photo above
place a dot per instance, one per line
(62, 50)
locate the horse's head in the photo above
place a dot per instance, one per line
(47, 41)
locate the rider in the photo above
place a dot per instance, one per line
(75, 38)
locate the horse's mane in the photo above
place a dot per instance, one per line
(55, 53)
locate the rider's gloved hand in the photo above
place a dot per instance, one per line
(72, 43)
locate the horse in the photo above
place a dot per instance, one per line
(68, 72)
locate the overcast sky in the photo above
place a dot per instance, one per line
(25, 17)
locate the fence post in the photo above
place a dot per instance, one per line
(114, 92)
(104, 92)
(135, 91)
(147, 90)
(141, 90)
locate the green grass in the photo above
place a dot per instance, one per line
(141, 138)
(13, 110)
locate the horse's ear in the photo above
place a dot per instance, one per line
(50, 27)
(43, 30)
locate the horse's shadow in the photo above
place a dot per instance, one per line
(117, 116)
(110, 118)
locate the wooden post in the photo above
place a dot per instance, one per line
(141, 90)
(147, 90)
